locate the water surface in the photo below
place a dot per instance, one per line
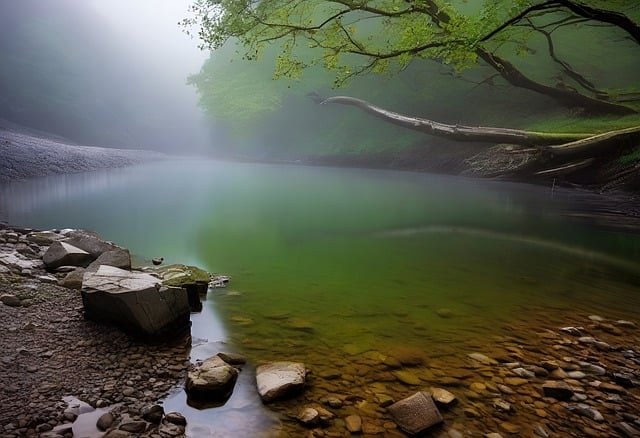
(330, 263)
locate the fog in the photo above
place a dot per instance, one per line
(109, 73)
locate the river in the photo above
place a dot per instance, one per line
(329, 263)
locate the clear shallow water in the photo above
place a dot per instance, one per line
(329, 263)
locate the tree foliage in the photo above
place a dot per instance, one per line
(357, 37)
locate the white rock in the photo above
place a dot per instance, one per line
(279, 379)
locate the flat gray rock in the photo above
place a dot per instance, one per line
(135, 302)
(65, 254)
(279, 379)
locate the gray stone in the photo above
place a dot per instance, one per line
(43, 238)
(573, 331)
(526, 374)
(137, 303)
(73, 280)
(134, 426)
(152, 413)
(89, 242)
(10, 300)
(175, 418)
(279, 379)
(119, 258)
(586, 411)
(558, 390)
(62, 253)
(416, 413)
(105, 421)
(212, 380)
(233, 358)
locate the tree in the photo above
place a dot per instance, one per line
(360, 37)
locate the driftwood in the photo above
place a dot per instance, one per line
(554, 144)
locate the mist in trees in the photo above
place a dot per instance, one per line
(105, 73)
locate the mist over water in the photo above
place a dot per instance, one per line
(103, 73)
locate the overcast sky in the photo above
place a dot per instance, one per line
(152, 28)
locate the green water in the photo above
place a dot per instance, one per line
(328, 263)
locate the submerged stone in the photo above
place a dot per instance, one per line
(416, 413)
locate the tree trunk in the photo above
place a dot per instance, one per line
(570, 145)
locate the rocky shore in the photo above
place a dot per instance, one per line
(63, 375)
(26, 155)
(51, 351)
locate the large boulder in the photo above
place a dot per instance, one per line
(119, 258)
(136, 302)
(212, 380)
(415, 414)
(89, 242)
(65, 254)
(279, 379)
(194, 280)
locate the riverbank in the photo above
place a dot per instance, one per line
(50, 351)
(26, 155)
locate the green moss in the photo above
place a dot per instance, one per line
(632, 156)
(595, 125)
(179, 275)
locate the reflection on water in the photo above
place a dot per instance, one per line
(331, 266)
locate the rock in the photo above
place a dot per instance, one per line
(308, 417)
(43, 238)
(416, 413)
(525, 374)
(558, 390)
(279, 379)
(118, 258)
(10, 300)
(353, 423)
(175, 418)
(482, 359)
(137, 303)
(492, 435)
(170, 430)
(117, 434)
(134, 426)
(194, 280)
(442, 397)
(212, 380)
(586, 411)
(626, 324)
(444, 313)
(105, 421)
(610, 387)
(627, 430)
(73, 280)
(502, 405)
(576, 375)
(62, 253)
(510, 428)
(407, 377)
(573, 331)
(596, 318)
(232, 358)
(89, 242)
(157, 260)
(152, 413)
(624, 380)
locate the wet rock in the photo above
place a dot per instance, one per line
(485, 360)
(444, 313)
(407, 377)
(212, 380)
(626, 324)
(175, 418)
(558, 390)
(521, 372)
(62, 253)
(332, 402)
(510, 427)
(233, 358)
(353, 423)
(105, 421)
(573, 331)
(137, 303)
(279, 379)
(309, 417)
(612, 388)
(627, 430)
(10, 300)
(133, 426)
(416, 413)
(502, 405)
(576, 375)
(623, 379)
(152, 413)
(442, 397)
(586, 411)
